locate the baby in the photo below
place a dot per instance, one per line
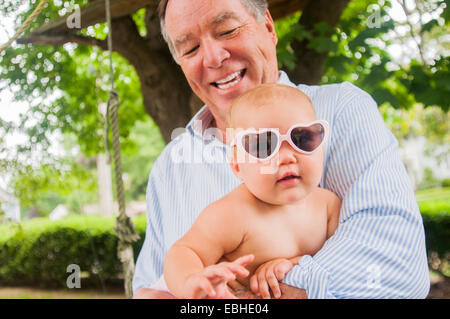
(255, 234)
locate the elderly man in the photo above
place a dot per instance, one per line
(226, 48)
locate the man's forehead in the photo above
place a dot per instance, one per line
(222, 17)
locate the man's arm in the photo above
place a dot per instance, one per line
(147, 293)
(378, 250)
(149, 263)
(287, 292)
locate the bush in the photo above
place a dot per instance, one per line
(446, 182)
(436, 220)
(38, 252)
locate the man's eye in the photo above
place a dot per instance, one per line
(228, 32)
(191, 50)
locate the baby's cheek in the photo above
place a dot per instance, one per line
(312, 171)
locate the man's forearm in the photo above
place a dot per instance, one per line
(287, 292)
(290, 292)
(147, 293)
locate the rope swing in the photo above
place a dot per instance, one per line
(25, 25)
(123, 226)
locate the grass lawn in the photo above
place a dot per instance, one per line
(34, 293)
(434, 194)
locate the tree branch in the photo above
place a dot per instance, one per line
(61, 39)
(411, 30)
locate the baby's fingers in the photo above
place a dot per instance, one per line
(254, 287)
(218, 274)
(244, 260)
(263, 287)
(273, 284)
(204, 287)
(237, 269)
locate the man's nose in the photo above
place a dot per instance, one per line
(214, 54)
(286, 154)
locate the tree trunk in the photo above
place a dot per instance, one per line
(165, 91)
(310, 63)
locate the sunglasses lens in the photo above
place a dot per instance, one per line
(260, 145)
(308, 138)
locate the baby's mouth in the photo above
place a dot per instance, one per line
(288, 177)
(230, 80)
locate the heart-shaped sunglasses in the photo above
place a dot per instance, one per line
(263, 144)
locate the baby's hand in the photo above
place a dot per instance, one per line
(212, 281)
(269, 274)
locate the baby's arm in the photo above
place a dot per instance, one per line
(214, 233)
(333, 209)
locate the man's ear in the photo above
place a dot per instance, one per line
(270, 25)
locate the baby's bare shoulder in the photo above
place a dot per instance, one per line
(230, 206)
(324, 194)
(330, 201)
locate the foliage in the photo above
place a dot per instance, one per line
(429, 180)
(71, 180)
(434, 204)
(65, 86)
(446, 182)
(139, 160)
(51, 183)
(357, 52)
(39, 252)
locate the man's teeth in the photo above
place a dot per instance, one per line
(229, 78)
(225, 83)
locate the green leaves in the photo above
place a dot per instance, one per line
(430, 88)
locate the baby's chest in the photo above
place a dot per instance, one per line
(271, 238)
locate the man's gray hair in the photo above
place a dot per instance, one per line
(256, 7)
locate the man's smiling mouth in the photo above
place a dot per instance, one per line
(230, 80)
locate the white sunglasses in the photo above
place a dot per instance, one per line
(263, 144)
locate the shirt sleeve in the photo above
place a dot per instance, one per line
(149, 264)
(378, 250)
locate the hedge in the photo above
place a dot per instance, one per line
(37, 252)
(436, 220)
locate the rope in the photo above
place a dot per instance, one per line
(25, 25)
(123, 226)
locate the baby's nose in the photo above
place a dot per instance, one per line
(287, 154)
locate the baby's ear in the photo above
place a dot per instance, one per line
(234, 163)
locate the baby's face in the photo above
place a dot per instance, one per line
(265, 179)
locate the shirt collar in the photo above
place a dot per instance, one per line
(204, 118)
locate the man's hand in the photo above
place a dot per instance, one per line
(268, 275)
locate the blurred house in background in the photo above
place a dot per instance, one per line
(10, 205)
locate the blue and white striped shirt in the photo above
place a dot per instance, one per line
(378, 250)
